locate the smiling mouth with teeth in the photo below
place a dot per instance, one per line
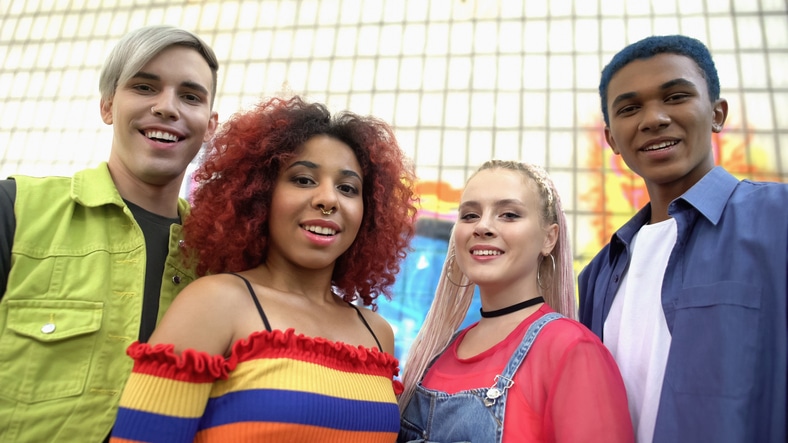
(319, 230)
(659, 146)
(486, 252)
(161, 136)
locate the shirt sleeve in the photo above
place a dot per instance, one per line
(7, 229)
(587, 400)
(166, 394)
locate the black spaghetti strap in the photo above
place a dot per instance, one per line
(256, 302)
(363, 320)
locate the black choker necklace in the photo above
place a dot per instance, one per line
(512, 308)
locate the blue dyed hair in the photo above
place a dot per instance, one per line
(651, 46)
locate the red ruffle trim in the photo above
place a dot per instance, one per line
(199, 367)
(399, 388)
(337, 355)
(192, 366)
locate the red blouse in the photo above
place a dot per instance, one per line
(568, 388)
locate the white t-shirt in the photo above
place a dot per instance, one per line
(635, 330)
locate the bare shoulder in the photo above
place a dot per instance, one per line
(381, 327)
(202, 317)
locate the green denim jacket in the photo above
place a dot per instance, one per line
(72, 307)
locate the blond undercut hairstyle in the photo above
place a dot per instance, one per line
(140, 46)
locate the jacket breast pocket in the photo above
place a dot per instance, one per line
(46, 348)
(715, 340)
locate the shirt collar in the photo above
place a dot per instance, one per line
(623, 237)
(708, 196)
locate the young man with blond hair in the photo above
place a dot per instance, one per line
(89, 263)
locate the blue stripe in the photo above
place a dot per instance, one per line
(278, 406)
(154, 428)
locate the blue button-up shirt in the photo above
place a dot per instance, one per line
(724, 298)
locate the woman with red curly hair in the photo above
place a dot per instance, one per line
(297, 215)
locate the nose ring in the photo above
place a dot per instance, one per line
(329, 212)
(153, 111)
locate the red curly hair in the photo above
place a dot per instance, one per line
(227, 230)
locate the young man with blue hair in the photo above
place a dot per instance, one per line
(690, 294)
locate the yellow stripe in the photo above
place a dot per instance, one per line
(296, 375)
(165, 396)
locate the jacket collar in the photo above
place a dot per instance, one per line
(94, 187)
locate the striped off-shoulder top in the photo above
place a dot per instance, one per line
(276, 386)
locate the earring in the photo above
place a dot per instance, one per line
(448, 273)
(539, 277)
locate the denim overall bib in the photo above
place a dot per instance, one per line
(474, 415)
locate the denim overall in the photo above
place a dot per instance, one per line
(475, 415)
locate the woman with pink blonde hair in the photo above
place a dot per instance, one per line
(510, 241)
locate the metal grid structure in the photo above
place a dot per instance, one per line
(462, 81)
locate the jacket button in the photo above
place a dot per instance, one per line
(181, 243)
(48, 328)
(176, 279)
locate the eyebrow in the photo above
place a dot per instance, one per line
(664, 86)
(498, 203)
(313, 165)
(188, 84)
